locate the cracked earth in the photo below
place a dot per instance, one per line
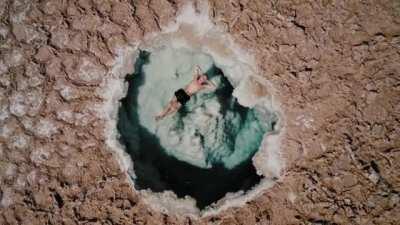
(335, 66)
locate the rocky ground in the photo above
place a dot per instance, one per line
(335, 65)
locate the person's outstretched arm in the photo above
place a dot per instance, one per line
(197, 72)
(210, 85)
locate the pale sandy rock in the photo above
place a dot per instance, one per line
(4, 32)
(87, 22)
(71, 173)
(40, 155)
(4, 112)
(133, 33)
(3, 96)
(7, 129)
(88, 144)
(66, 115)
(373, 176)
(2, 7)
(115, 43)
(19, 9)
(32, 177)
(26, 103)
(21, 81)
(93, 175)
(147, 20)
(53, 68)
(69, 62)
(27, 216)
(105, 193)
(85, 4)
(17, 157)
(14, 58)
(117, 215)
(7, 198)
(5, 80)
(60, 37)
(78, 41)
(66, 150)
(19, 142)
(52, 23)
(43, 199)
(44, 54)
(108, 29)
(103, 6)
(43, 180)
(121, 14)
(27, 123)
(20, 183)
(91, 209)
(100, 50)
(8, 170)
(9, 217)
(27, 34)
(36, 80)
(163, 10)
(68, 93)
(3, 67)
(45, 128)
(83, 118)
(72, 9)
(87, 71)
(51, 7)
(66, 39)
(2, 151)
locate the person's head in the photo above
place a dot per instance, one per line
(202, 79)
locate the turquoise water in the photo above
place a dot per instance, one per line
(205, 149)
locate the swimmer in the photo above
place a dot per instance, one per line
(199, 82)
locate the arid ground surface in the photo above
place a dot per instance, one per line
(335, 66)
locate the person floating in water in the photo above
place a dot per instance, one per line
(182, 96)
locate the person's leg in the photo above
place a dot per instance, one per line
(172, 107)
(170, 110)
(165, 111)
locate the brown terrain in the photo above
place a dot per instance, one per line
(335, 66)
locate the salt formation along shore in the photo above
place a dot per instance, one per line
(222, 149)
(302, 128)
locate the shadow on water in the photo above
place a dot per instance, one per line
(158, 171)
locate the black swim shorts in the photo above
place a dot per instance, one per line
(182, 96)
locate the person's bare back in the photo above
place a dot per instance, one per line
(198, 83)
